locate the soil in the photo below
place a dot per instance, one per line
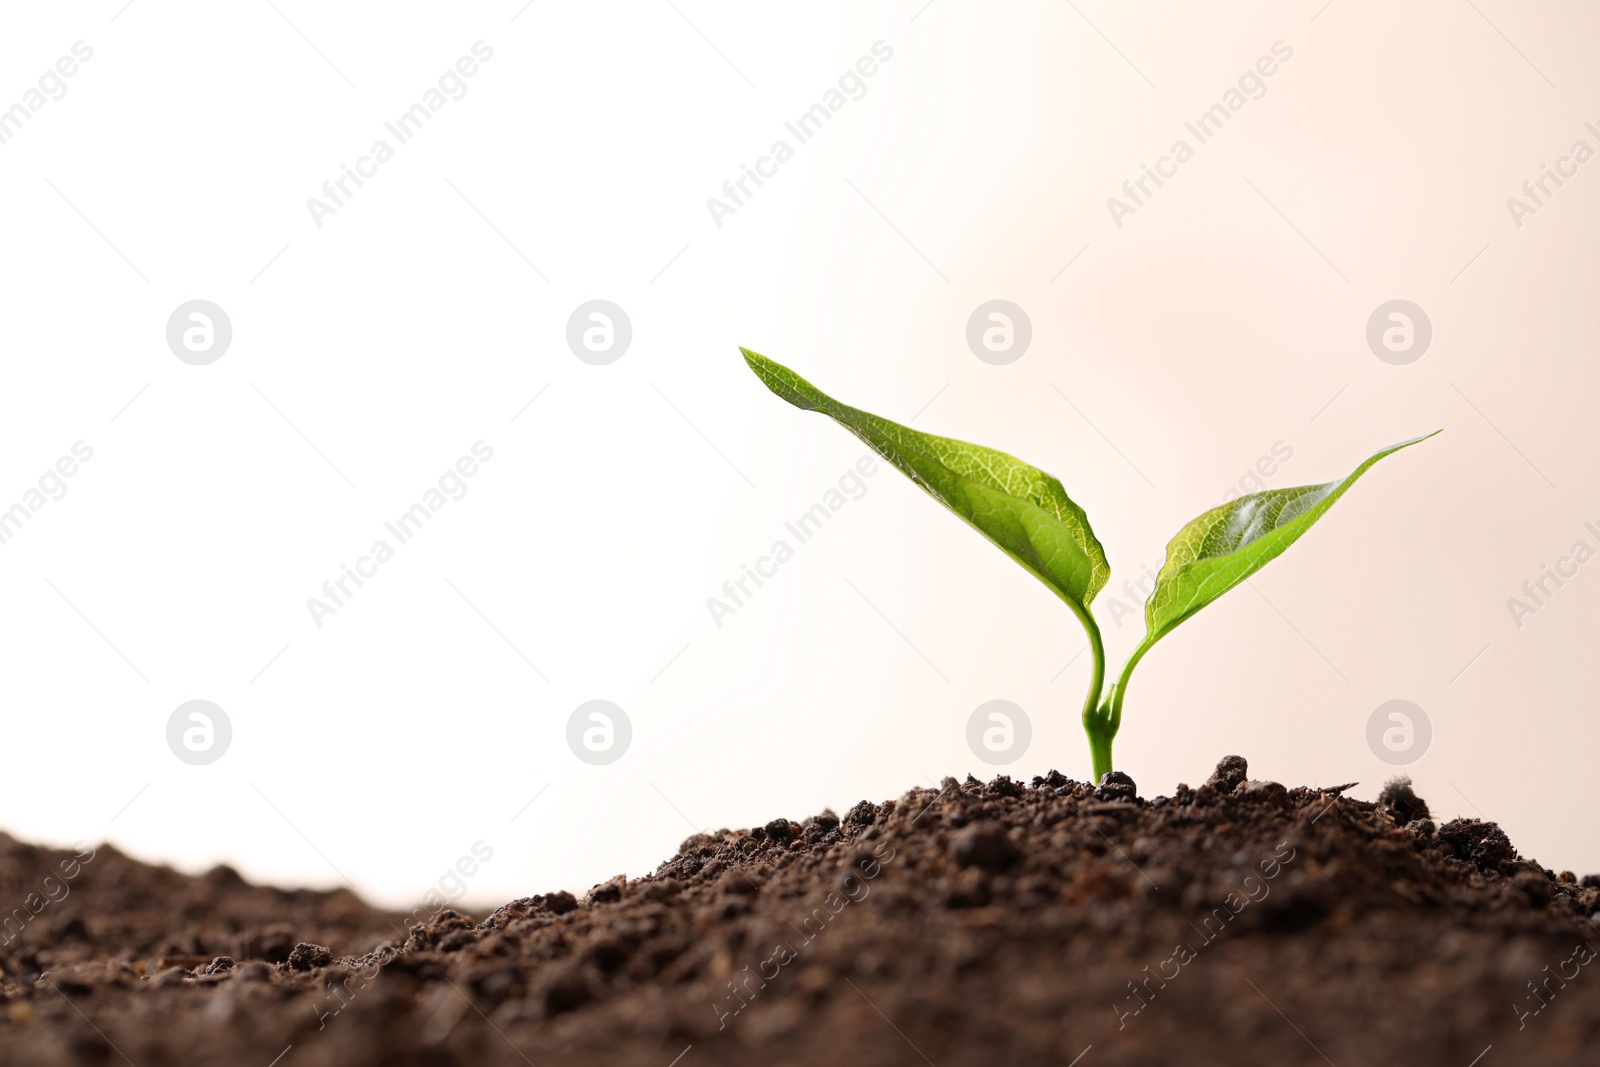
(1056, 922)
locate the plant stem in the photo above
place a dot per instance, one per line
(1120, 688)
(1103, 723)
(1093, 715)
(1099, 748)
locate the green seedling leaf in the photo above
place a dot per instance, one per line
(1227, 544)
(1208, 557)
(1023, 510)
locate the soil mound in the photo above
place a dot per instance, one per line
(1056, 922)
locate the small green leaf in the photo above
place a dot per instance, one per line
(1023, 510)
(1227, 544)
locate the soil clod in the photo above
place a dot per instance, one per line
(1402, 802)
(560, 902)
(984, 845)
(1263, 792)
(1482, 844)
(305, 956)
(1231, 773)
(1114, 785)
(1054, 780)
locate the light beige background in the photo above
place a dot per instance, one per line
(1169, 354)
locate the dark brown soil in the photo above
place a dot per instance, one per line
(1237, 923)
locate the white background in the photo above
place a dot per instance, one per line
(1226, 315)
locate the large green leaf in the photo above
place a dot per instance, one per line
(1020, 508)
(1228, 544)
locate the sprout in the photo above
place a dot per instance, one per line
(1028, 514)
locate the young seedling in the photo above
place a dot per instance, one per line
(1028, 514)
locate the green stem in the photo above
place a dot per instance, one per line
(1100, 747)
(1098, 678)
(1093, 716)
(1120, 688)
(1102, 724)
